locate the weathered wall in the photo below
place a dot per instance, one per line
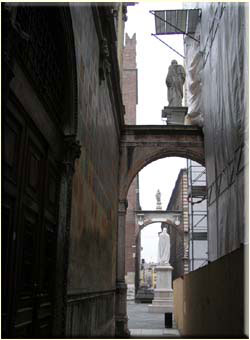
(213, 298)
(223, 42)
(178, 303)
(92, 258)
(129, 79)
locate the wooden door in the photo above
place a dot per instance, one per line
(29, 229)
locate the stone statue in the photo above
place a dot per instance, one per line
(175, 80)
(158, 200)
(164, 248)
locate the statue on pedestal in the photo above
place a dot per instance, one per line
(164, 248)
(174, 81)
(158, 200)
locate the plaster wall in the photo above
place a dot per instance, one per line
(210, 301)
(178, 303)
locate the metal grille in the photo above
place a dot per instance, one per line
(176, 21)
(42, 53)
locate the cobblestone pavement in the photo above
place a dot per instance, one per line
(143, 324)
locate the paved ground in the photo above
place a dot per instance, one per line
(143, 324)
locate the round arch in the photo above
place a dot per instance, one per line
(175, 227)
(150, 157)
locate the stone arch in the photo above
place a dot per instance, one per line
(145, 158)
(143, 144)
(146, 224)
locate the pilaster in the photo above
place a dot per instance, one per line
(121, 319)
(72, 150)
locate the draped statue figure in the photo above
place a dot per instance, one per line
(164, 247)
(174, 81)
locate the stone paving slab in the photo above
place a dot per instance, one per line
(143, 324)
(154, 333)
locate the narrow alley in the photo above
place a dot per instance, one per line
(91, 99)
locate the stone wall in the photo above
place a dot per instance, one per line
(92, 257)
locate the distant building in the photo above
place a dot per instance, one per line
(130, 99)
(189, 239)
(179, 234)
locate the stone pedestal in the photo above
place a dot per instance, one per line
(175, 115)
(163, 294)
(130, 291)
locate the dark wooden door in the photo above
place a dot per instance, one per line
(29, 229)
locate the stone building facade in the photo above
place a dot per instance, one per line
(62, 118)
(189, 240)
(179, 238)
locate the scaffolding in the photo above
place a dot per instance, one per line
(197, 206)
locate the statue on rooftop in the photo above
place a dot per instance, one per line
(174, 81)
(164, 247)
(158, 200)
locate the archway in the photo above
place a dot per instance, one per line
(141, 145)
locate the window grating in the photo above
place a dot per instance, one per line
(42, 55)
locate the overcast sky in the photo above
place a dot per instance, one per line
(153, 60)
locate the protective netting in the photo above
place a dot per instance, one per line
(217, 78)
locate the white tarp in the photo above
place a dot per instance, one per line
(193, 64)
(217, 70)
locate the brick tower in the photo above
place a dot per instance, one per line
(130, 99)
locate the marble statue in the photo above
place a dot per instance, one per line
(174, 81)
(158, 200)
(164, 248)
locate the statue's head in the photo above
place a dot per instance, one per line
(174, 62)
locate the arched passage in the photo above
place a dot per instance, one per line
(141, 145)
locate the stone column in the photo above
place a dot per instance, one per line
(121, 319)
(72, 150)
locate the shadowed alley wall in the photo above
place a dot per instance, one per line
(92, 259)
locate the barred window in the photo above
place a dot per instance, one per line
(43, 55)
